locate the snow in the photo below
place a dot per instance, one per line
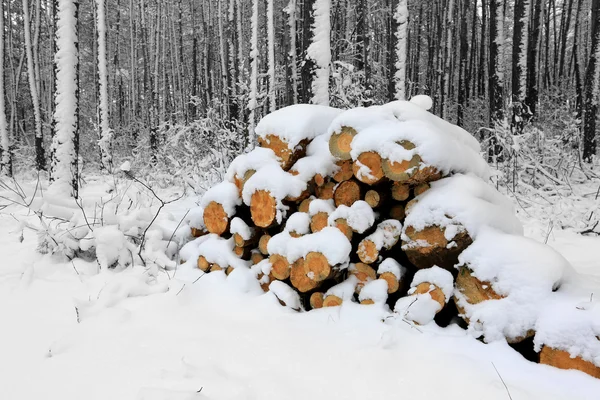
(435, 276)
(423, 101)
(387, 234)
(219, 251)
(522, 271)
(462, 202)
(376, 290)
(318, 160)
(420, 308)
(271, 51)
(241, 228)
(106, 134)
(344, 290)
(286, 294)
(359, 118)
(320, 51)
(318, 205)
(195, 218)
(4, 136)
(393, 266)
(253, 96)
(330, 242)
(253, 160)
(359, 216)
(401, 17)
(126, 166)
(225, 194)
(298, 122)
(298, 222)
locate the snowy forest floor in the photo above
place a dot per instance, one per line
(68, 332)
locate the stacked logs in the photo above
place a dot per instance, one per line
(321, 224)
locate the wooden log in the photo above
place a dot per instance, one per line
(385, 236)
(256, 257)
(400, 191)
(563, 360)
(280, 267)
(332, 301)
(255, 235)
(305, 205)
(240, 181)
(318, 222)
(368, 168)
(316, 300)
(317, 266)
(392, 281)
(421, 188)
(325, 192)
(263, 244)
(199, 232)
(397, 212)
(263, 208)
(215, 218)
(229, 270)
(340, 143)
(265, 281)
(401, 171)
(286, 155)
(300, 279)
(429, 247)
(216, 267)
(203, 264)
(344, 227)
(367, 251)
(347, 193)
(344, 172)
(319, 180)
(242, 252)
(436, 293)
(363, 273)
(376, 198)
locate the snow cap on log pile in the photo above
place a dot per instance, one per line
(375, 290)
(217, 250)
(298, 223)
(239, 227)
(252, 161)
(296, 123)
(318, 160)
(359, 217)
(330, 242)
(521, 272)
(436, 148)
(225, 194)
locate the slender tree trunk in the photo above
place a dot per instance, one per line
(320, 52)
(40, 157)
(308, 65)
(496, 83)
(533, 54)
(104, 131)
(5, 153)
(519, 64)
(482, 50)
(271, 48)
(462, 72)
(292, 55)
(576, 64)
(64, 174)
(592, 87)
(445, 84)
(252, 104)
(565, 33)
(401, 18)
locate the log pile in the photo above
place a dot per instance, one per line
(361, 207)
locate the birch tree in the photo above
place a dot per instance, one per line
(105, 134)
(40, 157)
(64, 174)
(401, 17)
(5, 156)
(592, 87)
(320, 52)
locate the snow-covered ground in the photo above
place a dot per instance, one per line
(68, 332)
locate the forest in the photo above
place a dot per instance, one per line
(87, 84)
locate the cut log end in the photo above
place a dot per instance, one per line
(317, 266)
(392, 282)
(316, 300)
(343, 226)
(203, 264)
(216, 267)
(281, 149)
(325, 192)
(429, 247)
(401, 171)
(256, 257)
(299, 278)
(332, 301)
(368, 168)
(340, 143)
(373, 198)
(398, 212)
(318, 222)
(263, 208)
(436, 294)
(196, 232)
(367, 302)
(563, 360)
(344, 172)
(263, 244)
(367, 251)
(400, 191)
(215, 218)
(473, 290)
(364, 273)
(280, 267)
(305, 205)
(347, 193)
(422, 188)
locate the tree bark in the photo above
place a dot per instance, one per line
(592, 87)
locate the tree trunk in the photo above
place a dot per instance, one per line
(104, 131)
(519, 64)
(401, 18)
(320, 52)
(5, 155)
(462, 72)
(533, 57)
(64, 174)
(271, 46)
(592, 87)
(292, 55)
(252, 104)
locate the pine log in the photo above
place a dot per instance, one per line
(300, 279)
(263, 208)
(340, 143)
(280, 267)
(332, 301)
(400, 191)
(368, 168)
(267, 281)
(215, 218)
(287, 156)
(376, 198)
(397, 211)
(343, 226)
(216, 267)
(392, 282)
(563, 360)
(229, 270)
(347, 193)
(263, 243)
(255, 235)
(198, 232)
(429, 247)
(256, 257)
(401, 171)
(364, 273)
(344, 172)
(203, 264)
(239, 182)
(317, 266)
(325, 192)
(367, 302)
(367, 251)
(305, 204)
(385, 236)
(318, 222)
(316, 300)
(420, 189)
(436, 294)
(242, 252)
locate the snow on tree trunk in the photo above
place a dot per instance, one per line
(223, 58)
(447, 63)
(320, 51)
(65, 143)
(592, 87)
(519, 63)
(496, 75)
(252, 103)
(5, 156)
(401, 17)
(40, 158)
(291, 11)
(105, 133)
(271, 39)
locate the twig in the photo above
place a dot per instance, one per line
(504, 383)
